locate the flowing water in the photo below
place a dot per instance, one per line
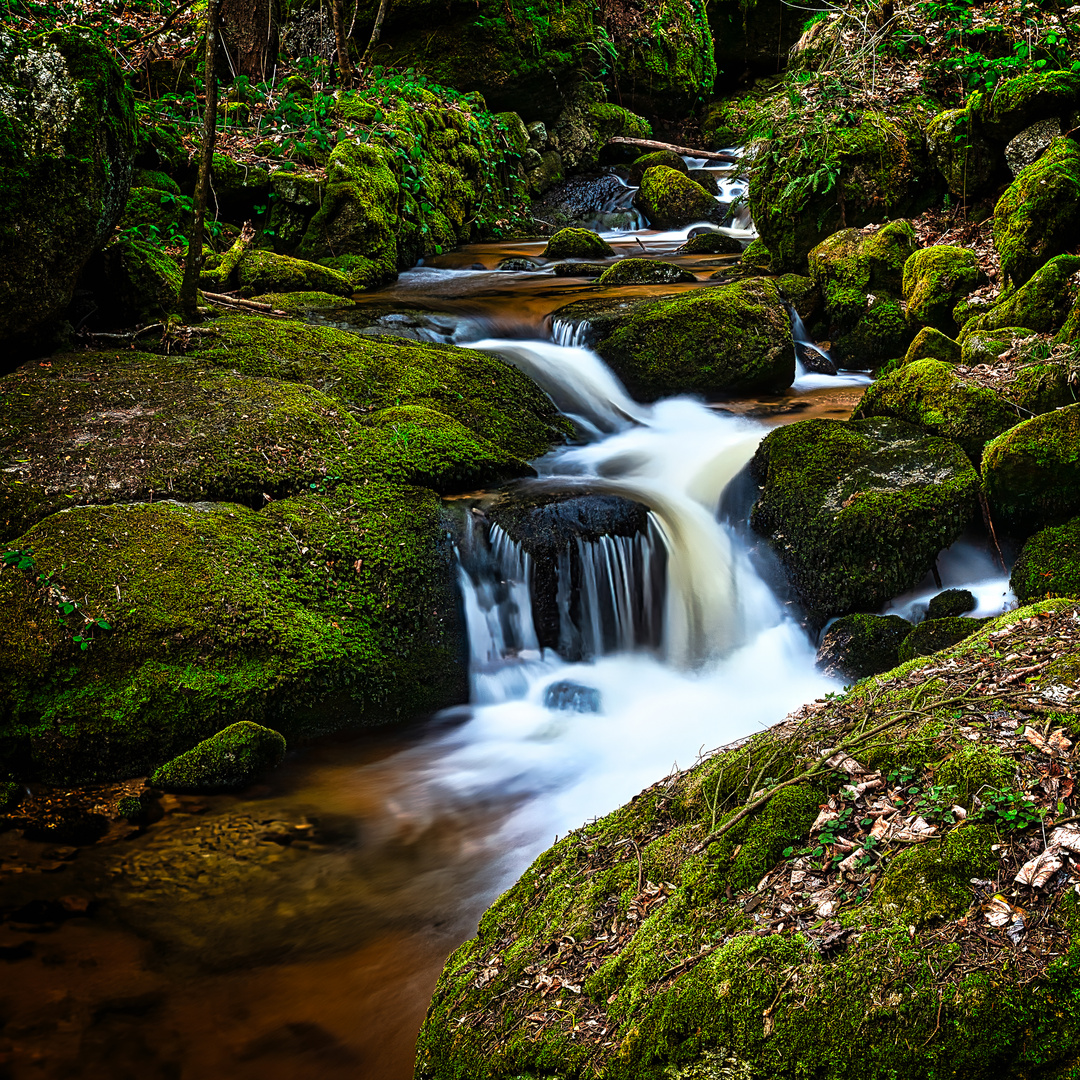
(299, 928)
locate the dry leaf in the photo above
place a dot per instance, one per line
(1038, 871)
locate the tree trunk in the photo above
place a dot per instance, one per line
(345, 68)
(376, 30)
(190, 287)
(251, 31)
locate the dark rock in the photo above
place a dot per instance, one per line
(572, 697)
(858, 646)
(1026, 147)
(706, 178)
(577, 244)
(933, 635)
(645, 272)
(67, 825)
(671, 200)
(579, 269)
(814, 359)
(668, 158)
(519, 264)
(1049, 564)
(707, 242)
(950, 604)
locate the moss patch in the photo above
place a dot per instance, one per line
(577, 244)
(1048, 564)
(671, 200)
(936, 279)
(232, 758)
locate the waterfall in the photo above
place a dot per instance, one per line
(569, 335)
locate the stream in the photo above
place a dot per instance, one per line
(297, 929)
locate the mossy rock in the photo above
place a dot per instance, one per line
(711, 243)
(1048, 564)
(323, 611)
(587, 123)
(1038, 217)
(579, 269)
(802, 293)
(1031, 473)
(857, 646)
(903, 996)
(134, 283)
(950, 604)
(712, 341)
(857, 512)
(757, 256)
(880, 171)
(1041, 304)
(156, 180)
(645, 272)
(296, 198)
(988, 346)
(1041, 388)
(932, 396)
(231, 759)
(1017, 103)
(657, 157)
(966, 159)
(304, 303)
(267, 272)
(931, 344)
(933, 635)
(577, 244)
(936, 279)
(671, 200)
(861, 275)
(67, 147)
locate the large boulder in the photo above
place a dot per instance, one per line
(933, 396)
(1038, 217)
(671, 200)
(1017, 103)
(936, 279)
(1048, 564)
(645, 272)
(1041, 304)
(967, 160)
(933, 635)
(67, 148)
(861, 273)
(857, 512)
(133, 282)
(1031, 473)
(931, 344)
(712, 341)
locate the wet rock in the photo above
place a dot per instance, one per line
(951, 603)
(858, 646)
(572, 697)
(712, 341)
(857, 512)
(933, 635)
(711, 243)
(658, 157)
(671, 200)
(1026, 147)
(519, 264)
(231, 759)
(706, 178)
(814, 359)
(1048, 564)
(66, 162)
(579, 269)
(645, 272)
(577, 244)
(802, 293)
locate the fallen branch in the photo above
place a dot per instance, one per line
(684, 151)
(236, 301)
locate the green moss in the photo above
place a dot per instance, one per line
(1018, 103)
(303, 303)
(155, 180)
(135, 282)
(988, 346)
(757, 256)
(936, 634)
(577, 244)
(1031, 473)
(1042, 303)
(1040, 388)
(951, 603)
(973, 769)
(712, 243)
(857, 512)
(930, 883)
(965, 158)
(645, 272)
(725, 339)
(671, 200)
(931, 344)
(1048, 564)
(232, 758)
(932, 396)
(265, 272)
(857, 646)
(936, 279)
(802, 293)
(1038, 217)
(668, 158)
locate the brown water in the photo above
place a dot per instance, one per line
(298, 929)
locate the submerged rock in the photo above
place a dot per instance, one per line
(857, 646)
(857, 512)
(519, 264)
(231, 759)
(579, 269)
(572, 697)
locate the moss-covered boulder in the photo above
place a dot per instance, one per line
(577, 243)
(756, 928)
(858, 646)
(933, 396)
(1043, 387)
(933, 635)
(67, 148)
(1038, 217)
(588, 121)
(1017, 103)
(989, 346)
(711, 341)
(931, 344)
(877, 169)
(1041, 304)
(266, 272)
(1048, 564)
(671, 200)
(857, 512)
(1031, 473)
(802, 293)
(296, 198)
(645, 272)
(966, 159)
(133, 282)
(936, 279)
(640, 165)
(950, 604)
(860, 274)
(231, 759)
(711, 243)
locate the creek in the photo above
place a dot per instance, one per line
(298, 929)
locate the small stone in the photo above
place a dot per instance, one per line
(572, 697)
